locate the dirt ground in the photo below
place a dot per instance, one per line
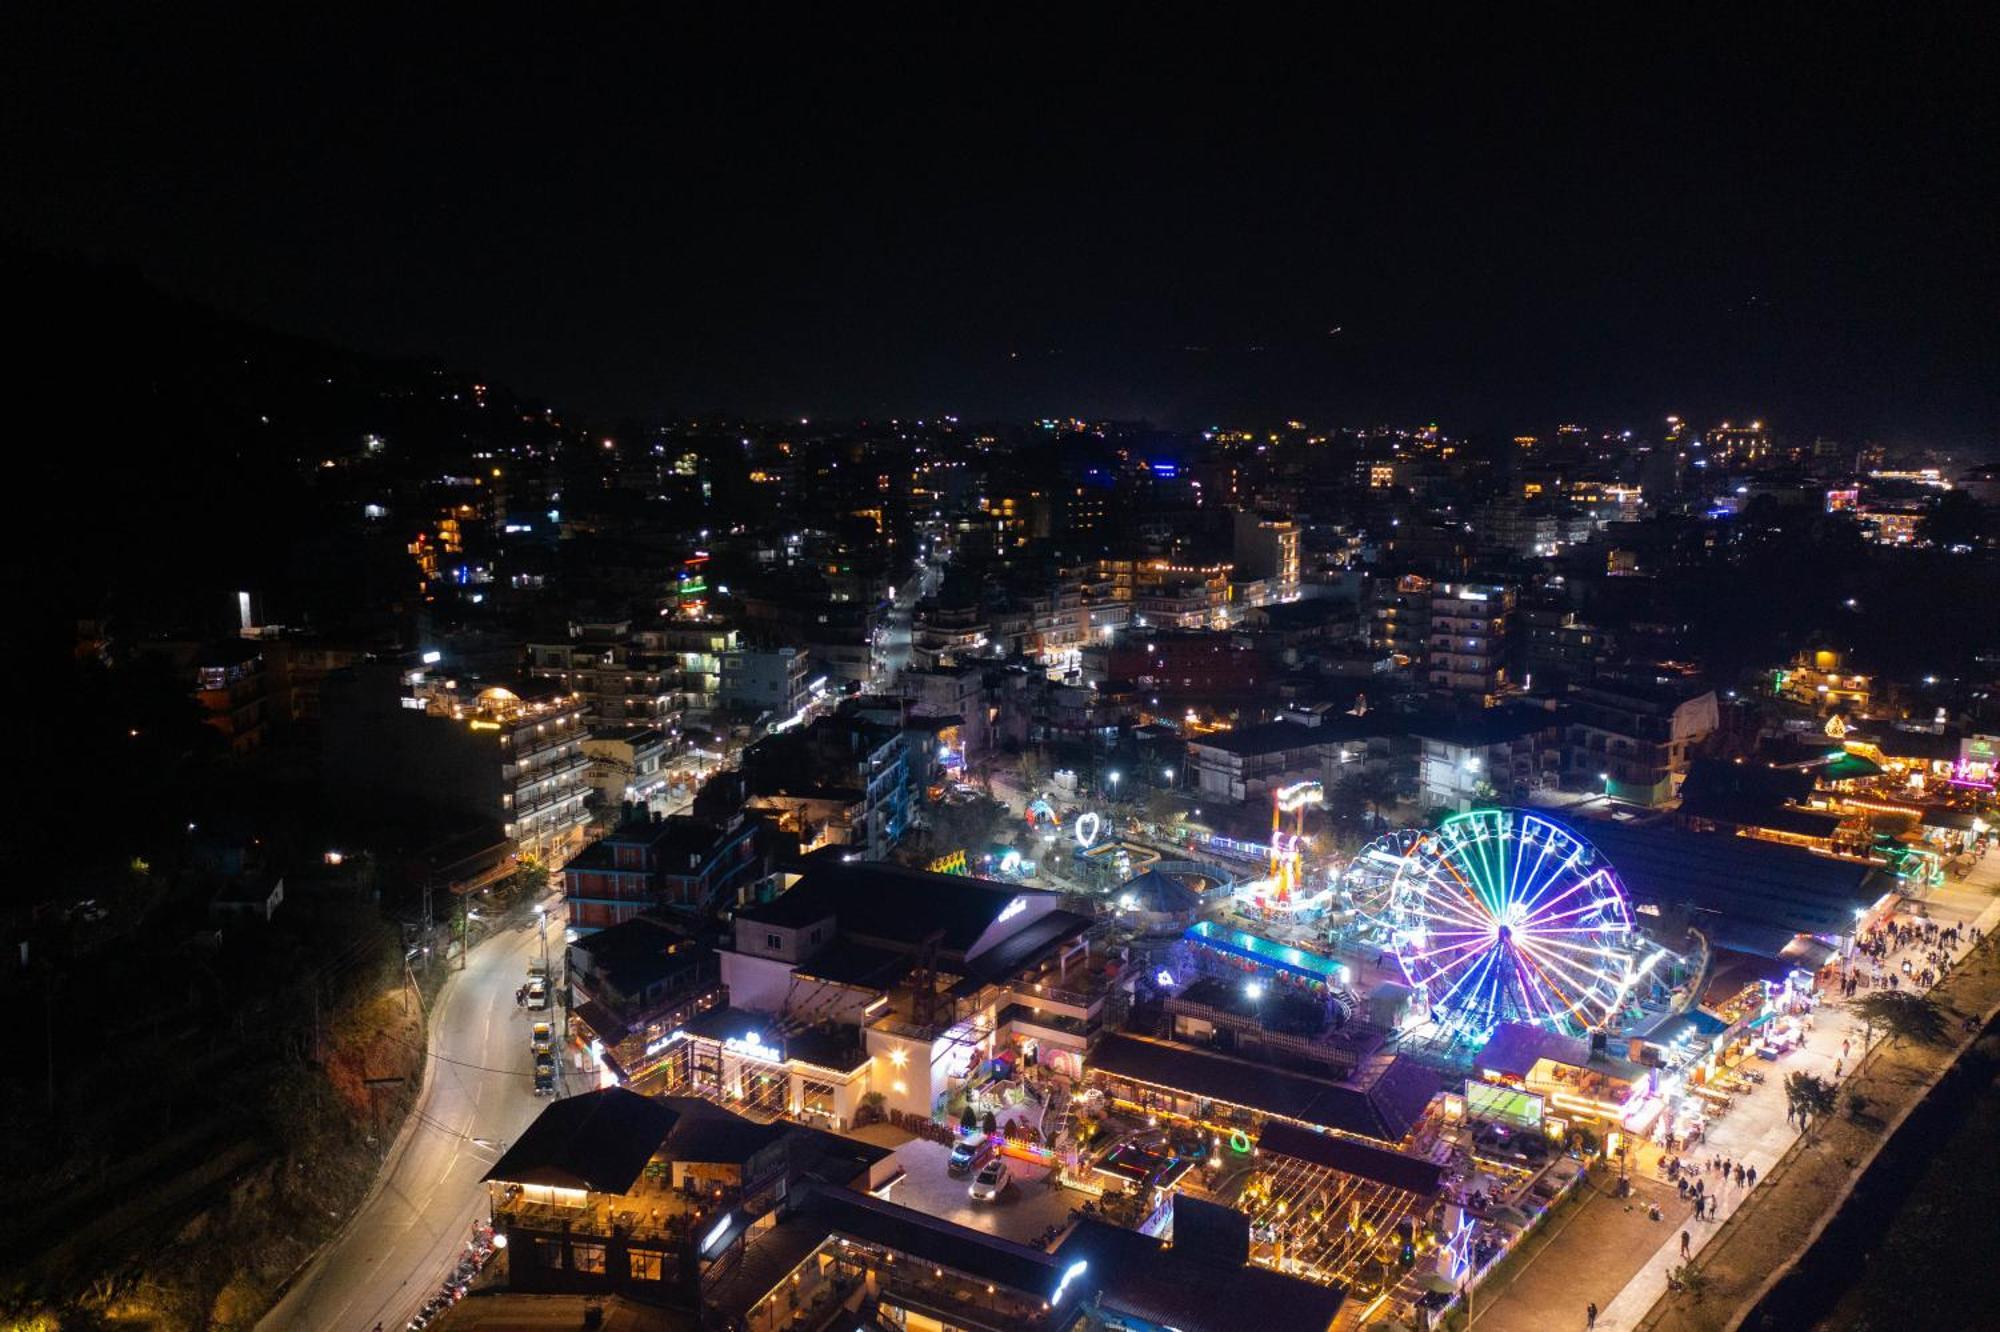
(1604, 1240)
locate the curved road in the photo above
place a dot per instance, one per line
(397, 1249)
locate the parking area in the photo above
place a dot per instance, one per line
(1028, 1208)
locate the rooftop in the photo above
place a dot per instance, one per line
(1179, 1286)
(598, 1141)
(1767, 892)
(1412, 1174)
(891, 903)
(1384, 1106)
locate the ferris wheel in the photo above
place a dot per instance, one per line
(1503, 916)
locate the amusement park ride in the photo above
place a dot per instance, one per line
(1500, 915)
(1288, 848)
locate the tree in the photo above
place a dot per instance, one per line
(967, 1120)
(1955, 519)
(1808, 1097)
(1691, 1279)
(1902, 1016)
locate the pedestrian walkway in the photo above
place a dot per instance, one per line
(1757, 1133)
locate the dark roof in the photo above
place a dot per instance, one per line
(1027, 945)
(720, 1139)
(1385, 1109)
(1514, 1048)
(1758, 888)
(1895, 742)
(675, 842)
(1490, 726)
(1268, 738)
(831, 1047)
(635, 953)
(1178, 1287)
(881, 901)
(1754, 796)
(845, 962)
(1412, 1174)
(603, 1023)
(599, 1140)
(1158, 892)
(933, 1240)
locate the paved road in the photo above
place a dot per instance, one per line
(398, 1248)
(892, 641)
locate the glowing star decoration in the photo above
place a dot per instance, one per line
(1503, 916)
(1088, 826)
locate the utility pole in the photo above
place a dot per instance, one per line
(429, 922)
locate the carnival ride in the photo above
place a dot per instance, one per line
(1288, 848)
(1501, 915)
(1367, 885)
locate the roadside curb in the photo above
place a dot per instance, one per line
(386, 1169)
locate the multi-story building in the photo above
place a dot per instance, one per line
(229, 683)
(677, 863)
(1495, 754)
(1631, 737)
(1469, 638)
(772, 680)
(1268, 548)
(510, 753)
(634, 983)
(958, 691)
(1399, 617)
(1200, 662)
(933, 975)
(627, 765)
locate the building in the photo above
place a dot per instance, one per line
(1495, 754)
(613, 1191)
(953, 692)
(230, 687)
(1268, 548)
(767, 680)
(1631, 738)
(675, 863)
(1198, 662)
(510, 753)
(1470, 628)
(845, 780)
(632, 985)
(1399, 617)
(929, 977)
(627, 765)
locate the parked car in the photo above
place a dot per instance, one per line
(991, 1181)
(538, 994)
(541, 1039)
(968, 1154)
(545, 1075)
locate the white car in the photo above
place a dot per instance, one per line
(991, 1181)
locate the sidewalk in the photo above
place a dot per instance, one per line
(1756, 1132)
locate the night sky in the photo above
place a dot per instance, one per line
(1495, 227)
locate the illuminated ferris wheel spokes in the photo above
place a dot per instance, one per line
(1501, 915)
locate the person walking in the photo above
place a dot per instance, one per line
(1687, 1241)
(1590, 1316)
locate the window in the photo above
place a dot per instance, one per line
(815, 934)
(646, 1264)
(549, 1252)
(773, 941)
(587, 1258)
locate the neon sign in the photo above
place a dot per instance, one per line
(1088, 826)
